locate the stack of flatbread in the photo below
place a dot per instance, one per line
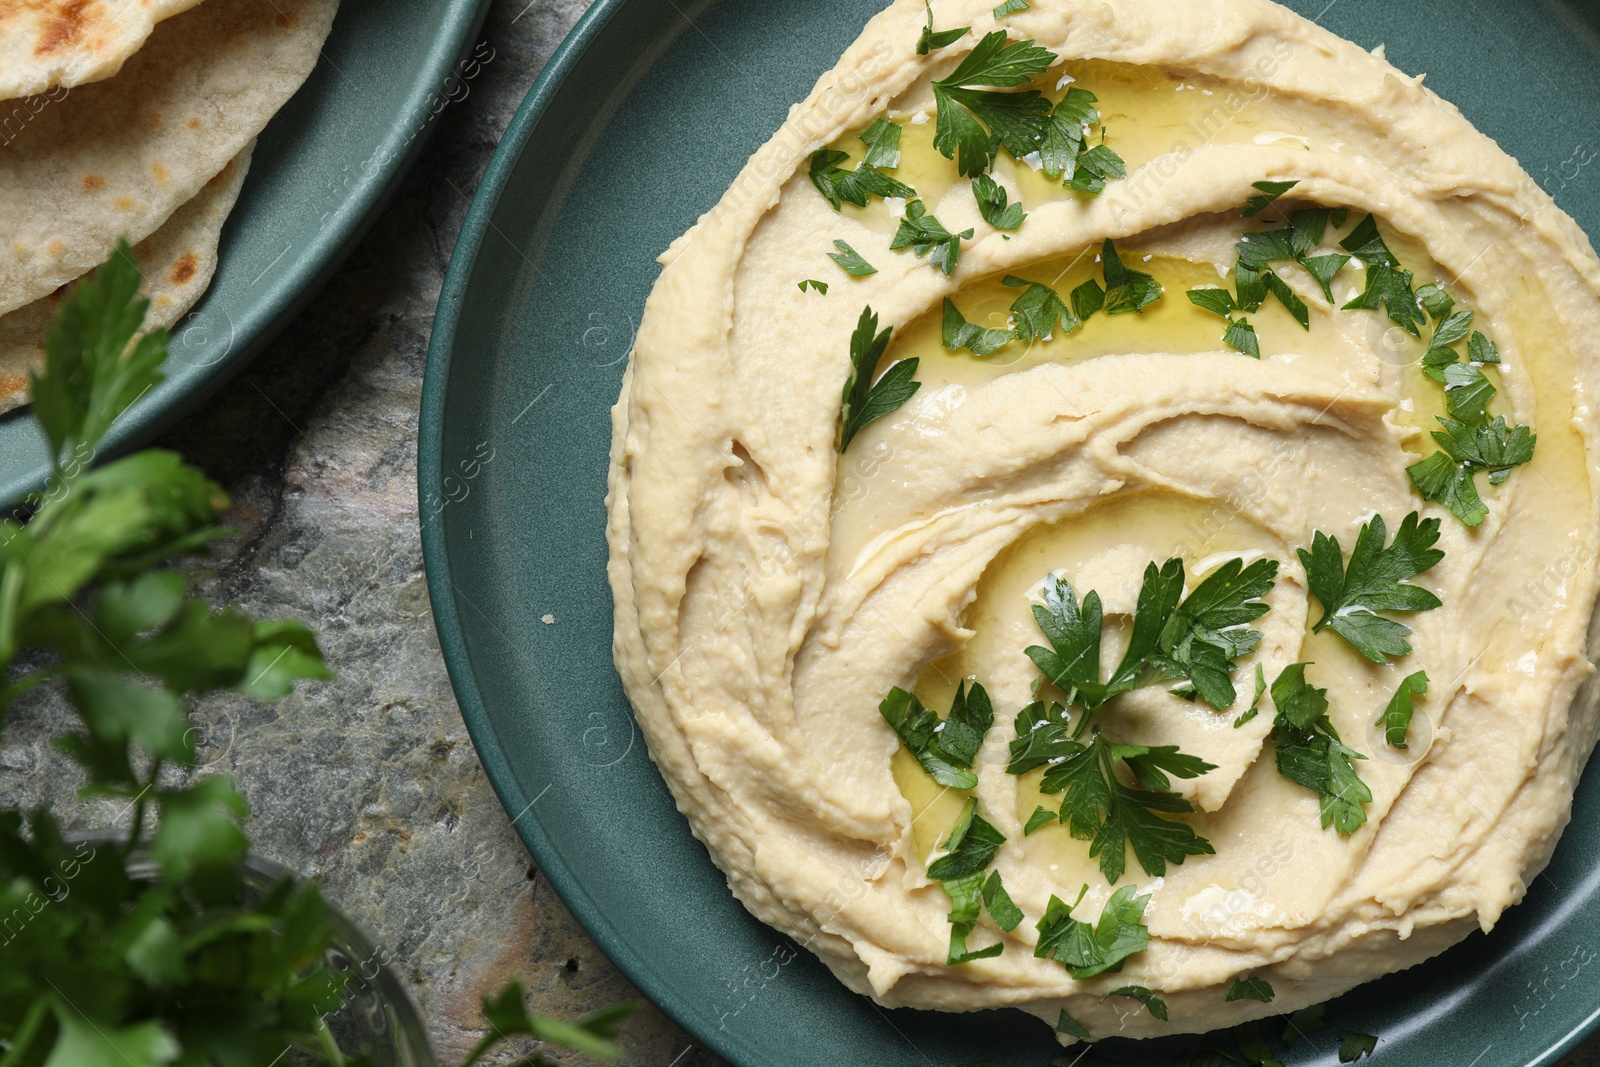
(130, 118)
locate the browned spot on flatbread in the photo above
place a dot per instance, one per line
(123, 203)
(287, 20)
(56, 249)
(153, 118)
(192, 123)
(160, 172)
(64, 29)
(93, 181)
(184, 269)
(12, 384)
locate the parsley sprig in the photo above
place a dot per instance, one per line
(1470, 441)
(1310, 752)
(1088, 949)
(932, 40)
(969, 850)
(974, 121)
(1388, 285)
(1194, 639)
(1376, 579)
(842, 187)
(866, 401)
(945, 747)
(924, 234)
(1065, 154)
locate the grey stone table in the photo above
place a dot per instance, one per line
(370, 781)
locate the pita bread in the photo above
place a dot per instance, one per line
(178, 262)
(49, 43)
(118, 157)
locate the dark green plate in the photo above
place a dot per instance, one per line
(640, 122)
(322, 170)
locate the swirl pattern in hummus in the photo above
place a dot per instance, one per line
(769, 591)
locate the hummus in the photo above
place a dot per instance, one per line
(771, 591)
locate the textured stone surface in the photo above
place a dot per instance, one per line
(370, 781)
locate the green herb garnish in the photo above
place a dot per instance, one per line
(842, 186)
(932, 40)
(1087, 950)
(1250, 989)
(947, 747)
(1255, 702)
(1038, 311)
(1268, 192)
(508, 1017)
(1311, 753)
(866, 402)
(812, 283)
(1353, 1045)
(1066, 1024)
(923, 233)
(882, 139)
(1375, 580)
(1010, 7)
(1064, 153)
(969, 849)
(1396, 718)
(992, 204)
(850, 261)
(1388, 285)
(1154, 1004)
(974, 122)
(1126, 290)
(957, 333)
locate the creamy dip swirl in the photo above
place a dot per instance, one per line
(770, 592)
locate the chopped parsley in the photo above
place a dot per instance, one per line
(1038, 311)
(1388, 285)
(1253, 1046)
(1088, 950)
(932, 40)
(958, 333)
(924, 234)
(992, 204)
(882, 139)
(842, 186)
(969, 850)
(1353, 1045)
(1126, 290)
(864, 401)
(1143, 995)
(1299, 1022)
(944, 747)
(1216, 300)
(1255, 702)
(812, 283)
(1250, 989)
(1254, 277)
(1311, 753)
(1375, 580)
(1396, 718)
(1040, 818)
(1064, 153)
(1066, 1024)
(1010, 7)
(850, 261)
(973, 123)
(1267, 192)
(1470, 440)
(1240, 334)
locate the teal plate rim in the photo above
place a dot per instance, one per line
(1486, 960)
(204, 357)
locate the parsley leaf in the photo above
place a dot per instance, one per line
(1036, 313)
(865, 402)
(932, 40)
(1066, 134)
(1250, 989)
(945, 748)
(842, 186)
(1153, 1003)
(1242, 336)
(1299, 1022)
(812, 283)
(1126, 290)
(1269, 191)
(997, 902)
(1010, 7)
(1066, 1024)
(1254, 277)
(1253, 1046)
(1097, 167)
(992, 205)
(1376, 580)
(958, 333)
(1310, 753)
(1255, 702)
(1387, 285)
(1215, 300)
(882, 139)
(1396, 718)
(1353, 1045)
(923, 233)
(508, 1017)
(972, 123)
(970, 849)
(1088, 950)
(851, 261)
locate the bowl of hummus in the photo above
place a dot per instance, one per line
(1082, 547)
(1078, 485)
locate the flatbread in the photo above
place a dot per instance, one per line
(118, 157)
(178, 262)
(45, 44)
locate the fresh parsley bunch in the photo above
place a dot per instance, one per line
(150, 949)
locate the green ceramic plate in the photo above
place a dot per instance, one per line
(322, 170)
(640, 121)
